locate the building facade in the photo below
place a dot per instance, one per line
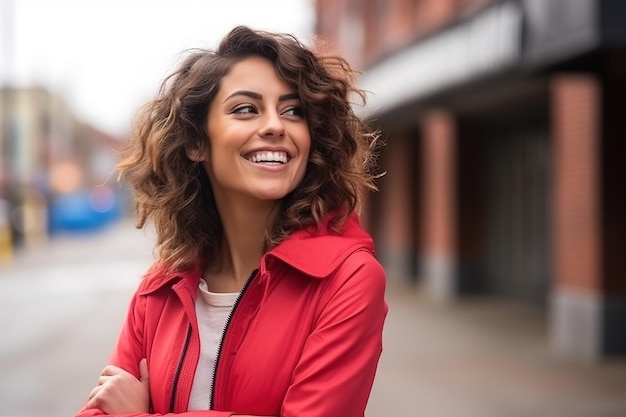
(504, 130)
(49, 160)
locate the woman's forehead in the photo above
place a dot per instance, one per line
(255, 74)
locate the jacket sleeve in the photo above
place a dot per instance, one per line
(128, 352)
(336, 370)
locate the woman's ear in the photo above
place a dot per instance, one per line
(195, 153)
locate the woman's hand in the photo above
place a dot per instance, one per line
(120, 392)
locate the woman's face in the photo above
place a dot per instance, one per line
(259, 140)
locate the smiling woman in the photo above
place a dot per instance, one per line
(266, 298)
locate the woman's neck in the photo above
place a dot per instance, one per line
(245, 229)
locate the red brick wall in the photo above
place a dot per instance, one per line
(327, 17)
(576, 134)
(430, 15)
(397, 193)
(393, 213)
(439, 205)
(389, 24)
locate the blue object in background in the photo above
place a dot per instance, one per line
(84, 211)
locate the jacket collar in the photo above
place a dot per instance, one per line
(318, 253)
(158, 276)
(315, 252)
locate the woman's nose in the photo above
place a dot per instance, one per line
(272, 125)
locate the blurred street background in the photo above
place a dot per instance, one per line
(499, 220)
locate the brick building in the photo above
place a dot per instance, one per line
(504, 123)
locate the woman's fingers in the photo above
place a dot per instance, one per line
(111, 370)
(103, 379)
(94, 392)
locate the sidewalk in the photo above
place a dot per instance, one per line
(484, 358)
(119, 240)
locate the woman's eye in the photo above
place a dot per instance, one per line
(245, 110)
(294, 111)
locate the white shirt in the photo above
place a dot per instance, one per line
(212, 310)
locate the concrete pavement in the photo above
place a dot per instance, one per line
(477, 358)
(484, 357)
(61, 307)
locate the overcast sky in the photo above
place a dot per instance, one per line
(106, 57)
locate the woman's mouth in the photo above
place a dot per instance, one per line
(268, 157)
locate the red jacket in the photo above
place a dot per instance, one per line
(303, 340)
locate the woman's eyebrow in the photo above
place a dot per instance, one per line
(250, 94)
(290, 96)
(257, 96)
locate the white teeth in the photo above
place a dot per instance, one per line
(269, 156)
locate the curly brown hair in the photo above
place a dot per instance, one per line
(173, 191)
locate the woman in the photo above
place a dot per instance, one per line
(266, 298)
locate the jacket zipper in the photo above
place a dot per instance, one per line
(179, 368)
(219, 346)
